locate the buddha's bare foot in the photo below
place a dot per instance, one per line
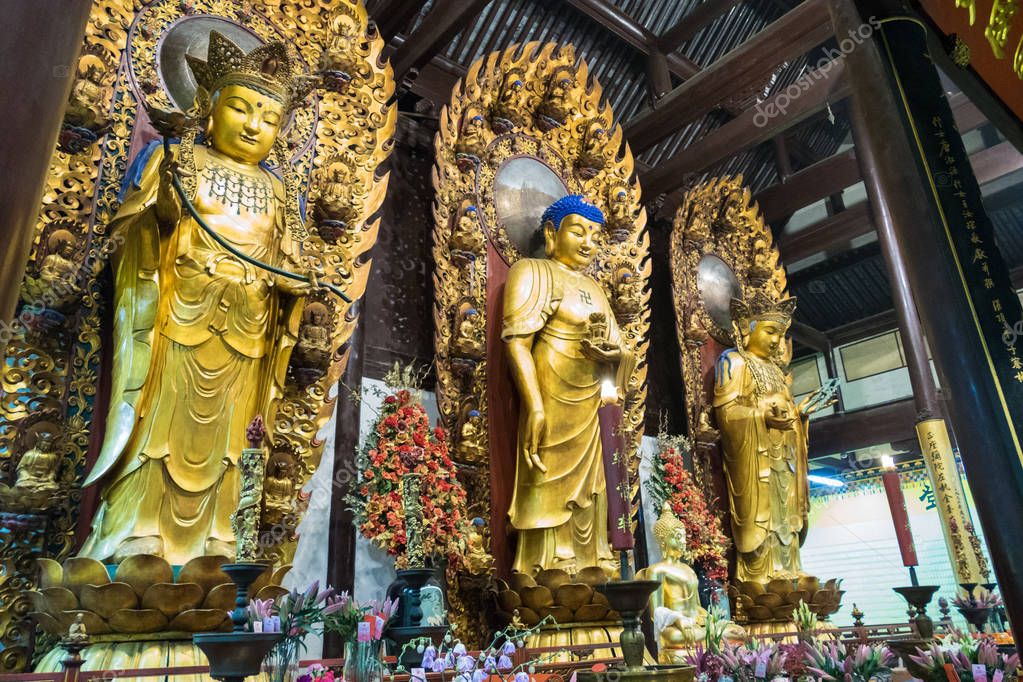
(215, 547)
(147, 544)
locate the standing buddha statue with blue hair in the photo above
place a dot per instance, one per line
(563, 343)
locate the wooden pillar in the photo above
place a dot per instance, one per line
(923, 243)
(342, 534)
(38, 58)
(968, 564)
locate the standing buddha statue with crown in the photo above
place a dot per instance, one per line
(764, 439)
(558, 363)
(202, 338)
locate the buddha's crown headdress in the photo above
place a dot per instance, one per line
(668, 525)
(760, 306)
(573, 204)
(269, 69)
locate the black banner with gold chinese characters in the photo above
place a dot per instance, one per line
(983, 275)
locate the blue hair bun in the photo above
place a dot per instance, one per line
(573, 204)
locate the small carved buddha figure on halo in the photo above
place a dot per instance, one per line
(515, 103)
(467, 236)
(278, 489)
(471, 139)
(471, 446)
(313, 346)
(559, 504)
(679, 619)
(35, 479)
(470, 341)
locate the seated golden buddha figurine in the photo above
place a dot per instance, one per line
(201, 338)
(679, 619)
(559, 505)
(763, 436)
(35, 479)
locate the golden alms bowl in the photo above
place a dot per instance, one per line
(142, 598)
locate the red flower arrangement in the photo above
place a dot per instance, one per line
(671, 482)
(402, 442)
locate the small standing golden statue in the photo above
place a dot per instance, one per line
(679, 619)
(764, 438)
(559, 506)
(202, 337)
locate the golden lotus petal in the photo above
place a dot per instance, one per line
(591, 613)
(528, 616)
(271, 592)
(171, 599)
(520, 581)
(796, 596)
(784, 612)
(559, 613)
(758, 613)
(744, 600)
(831, 584)
(48, 623)
(80, 570)
(509, 600)
(591, 575)
(262, 581)
(59, 599)
(138, 621)
(142, 570)
(38, 600)
(198, 620)
(204, 571)
(809, 583)
(553, 578)
(279, 574)
(753, 589)
(94, 625)
(501, 585)
(220, 597)
(537, 597)
(780, 586)
(50, 573)
(770, 600)
(108, 599)
(573, 595)
(599, 598)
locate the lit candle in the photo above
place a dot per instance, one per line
(900, 517)
(616, 469)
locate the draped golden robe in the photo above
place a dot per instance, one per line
(201, 345)
(561, 515)
(765, 468)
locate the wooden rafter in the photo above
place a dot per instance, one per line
(437, 29)
(828, 234)
(809, 185)
(752, 127)
(689, 25)
(753, 62)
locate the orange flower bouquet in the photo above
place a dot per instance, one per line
(402, 442)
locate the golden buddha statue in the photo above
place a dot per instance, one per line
(679, 619)
(559, 505)
(201, 338)
(763, 436)
(35, 479)
(278, 490)
(472, 438)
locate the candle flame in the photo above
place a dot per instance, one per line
(887, 461)
(608, 391)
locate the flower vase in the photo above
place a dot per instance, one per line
(363, 662)
(279, 671)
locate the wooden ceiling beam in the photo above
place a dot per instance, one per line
(827, 234)
(888, 423)
(750, 128)
(745, 67)
(810, 336)
(633, 33)
(809, 185)
(393, 16)
(437, 29)
(689, 25)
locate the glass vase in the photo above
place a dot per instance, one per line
(363, 662)
(281, 664)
